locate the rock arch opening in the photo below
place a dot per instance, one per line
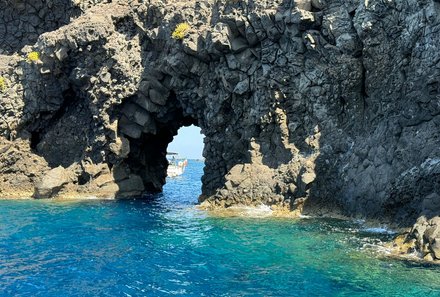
(146, 136)
(186, 164)
(188, 143)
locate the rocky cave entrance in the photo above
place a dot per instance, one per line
(187, 147)
(149, 137)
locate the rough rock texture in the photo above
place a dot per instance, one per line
(315, 106)
(19, 169)
(22, 21)
(423, 239)
(427, 236)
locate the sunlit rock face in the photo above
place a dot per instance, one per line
(314, 106)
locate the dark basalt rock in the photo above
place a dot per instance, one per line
(320, 106)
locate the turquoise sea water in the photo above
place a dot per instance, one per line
(164, 247)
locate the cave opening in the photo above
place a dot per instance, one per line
(150, 135)
(184, 185)
(149, 159)
(188, 143)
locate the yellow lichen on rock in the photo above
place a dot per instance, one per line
(181, 30)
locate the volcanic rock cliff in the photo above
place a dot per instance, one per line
(315, 106)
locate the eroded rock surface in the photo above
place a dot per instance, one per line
(315, 106)
(22, 22)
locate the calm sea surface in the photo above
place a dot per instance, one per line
(164, 247)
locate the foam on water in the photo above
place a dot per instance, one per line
(261, 211)
(379, 230)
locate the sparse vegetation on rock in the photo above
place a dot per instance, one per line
(181, 30)
(33, 57)
(2, 84)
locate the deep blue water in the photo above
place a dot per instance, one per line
(164, 246)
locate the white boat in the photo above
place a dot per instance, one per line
(176, 166)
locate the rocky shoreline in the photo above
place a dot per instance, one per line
(314, 106)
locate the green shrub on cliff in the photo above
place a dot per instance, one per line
(2, 84)
(181, 30)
